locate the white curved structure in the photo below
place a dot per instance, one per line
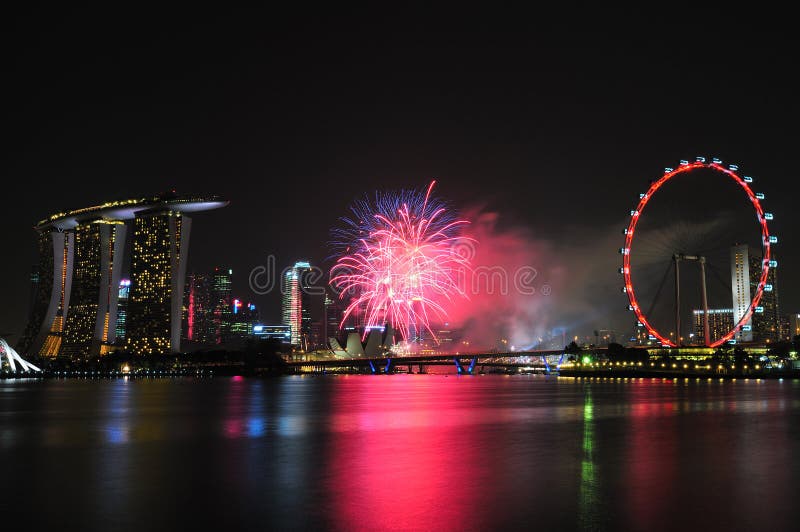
(13, 358)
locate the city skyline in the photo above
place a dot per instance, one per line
(282, 268)
(78, 281)
(480, 119)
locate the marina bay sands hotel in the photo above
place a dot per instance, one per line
(81, 256)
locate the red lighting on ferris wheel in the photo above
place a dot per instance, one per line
(766, 241)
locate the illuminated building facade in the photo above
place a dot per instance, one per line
(331, 318)
(245, 317)
(740, 284)
(720, 323)
(296, 304)
(222, 281)
(794, 325)
(122, 307)
(158, 269)
(283, 333)
(767, 323)
(746, 267)
(90, 327)
(199, 323)
(75, 308)
(43, 333)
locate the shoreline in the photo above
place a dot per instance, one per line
(573, 373)
(672, 374)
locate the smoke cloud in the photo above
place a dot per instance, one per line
(526, 291)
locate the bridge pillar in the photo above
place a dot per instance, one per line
(472, 365)
(372, 367)
(388, 366)
(458, 365)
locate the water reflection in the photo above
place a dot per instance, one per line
(402, 452)
(589, 496)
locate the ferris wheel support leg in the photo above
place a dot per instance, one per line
(706, 332)
(677, 259)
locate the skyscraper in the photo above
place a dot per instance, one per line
(87, 246)
(222, 281)
(42, 335)
(332, 318)
(91, 323)
(746, 268)
(199, 324)
(794, 325)
(766, 323)
(158, 269)
(122, 307)
(740, 283)
(245, 317)
(296, 307)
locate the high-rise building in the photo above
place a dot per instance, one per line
(158, 269)
(222, 281)
(296, 307)
(80, 260)
(740, 283)
(784, 327)
(122, 307)
(720, 323)
(198, 324)
(245, 317)
(794, 325)
(603, 337)
(90, 327)
(315, 338)
(746, 268)
(331, 319)
(766, 322)
(43, 333)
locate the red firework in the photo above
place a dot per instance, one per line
(404, 262)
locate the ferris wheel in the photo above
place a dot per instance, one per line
(685, 246)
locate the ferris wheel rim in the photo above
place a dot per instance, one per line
(685, 168)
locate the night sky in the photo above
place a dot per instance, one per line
(291, 117)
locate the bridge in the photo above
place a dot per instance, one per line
(544, 361)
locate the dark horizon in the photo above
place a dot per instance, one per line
(292, 119)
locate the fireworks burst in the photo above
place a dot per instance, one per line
(400, 260)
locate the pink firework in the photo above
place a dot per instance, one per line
(402, 261)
